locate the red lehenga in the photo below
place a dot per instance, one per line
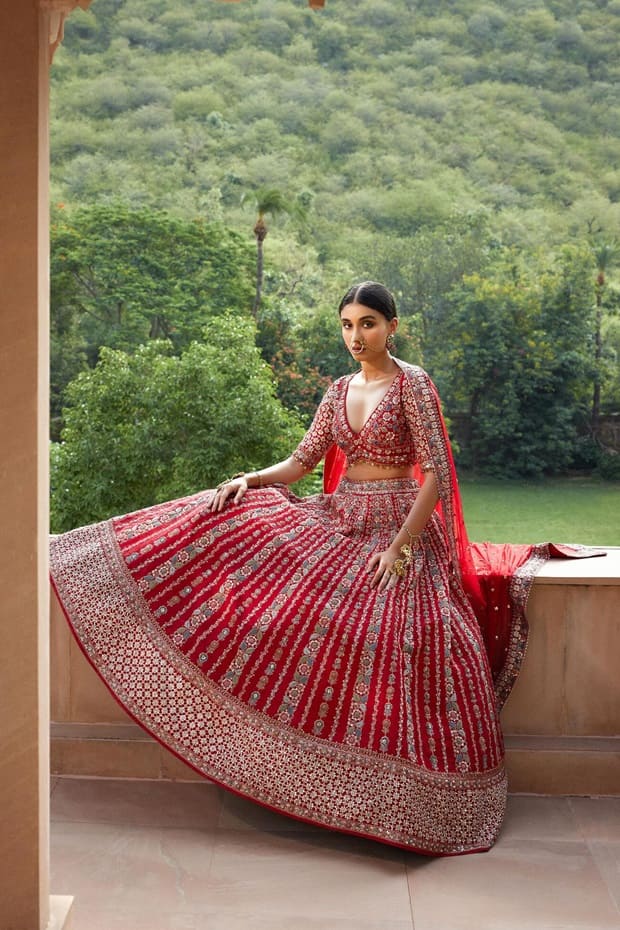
(251, 643)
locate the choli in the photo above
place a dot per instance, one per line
(391, 436)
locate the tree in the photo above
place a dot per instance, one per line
(121, 276)
(606, 254)
(268, 202)
(422, 269)
(152, 426)
(300, 384)
(132, 275)
(68, 357)
(515, 359)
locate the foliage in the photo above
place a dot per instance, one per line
(605, 254)
(611, 356)
(514, 352)
(609, 466)
(132, 275)
(424, 268)
(121, 276)
(300, 384)
(153, 426)
(392, 115)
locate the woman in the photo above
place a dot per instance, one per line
(318, 655)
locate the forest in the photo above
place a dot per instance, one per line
(466, 154)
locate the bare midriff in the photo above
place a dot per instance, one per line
(366, 471)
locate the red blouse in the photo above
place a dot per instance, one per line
(391, 436)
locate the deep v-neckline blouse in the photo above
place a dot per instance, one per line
(386, 439)
(375, 409)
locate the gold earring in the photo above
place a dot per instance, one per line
(389, 342)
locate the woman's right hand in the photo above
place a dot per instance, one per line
(236, 486)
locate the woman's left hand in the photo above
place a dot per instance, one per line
(237, 486)
(383, 562)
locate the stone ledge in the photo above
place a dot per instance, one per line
(522, 742)
(588, 767)
(99, 731)
(600, 570)
(110, 750)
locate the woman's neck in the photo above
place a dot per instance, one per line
(383, 367)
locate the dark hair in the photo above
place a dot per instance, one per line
(372, 295)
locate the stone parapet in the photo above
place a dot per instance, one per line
(562, 721)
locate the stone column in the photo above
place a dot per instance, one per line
(28, 31)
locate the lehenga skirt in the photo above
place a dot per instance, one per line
(253, 645)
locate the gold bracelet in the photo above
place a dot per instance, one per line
(240, 474)
(413, 537)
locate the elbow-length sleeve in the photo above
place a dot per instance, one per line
(433, 452)
(425, 422)
(320, 436)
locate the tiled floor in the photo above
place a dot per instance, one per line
(144, 855)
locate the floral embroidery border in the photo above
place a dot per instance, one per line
(519, 592)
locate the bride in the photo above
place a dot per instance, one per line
(319, 655)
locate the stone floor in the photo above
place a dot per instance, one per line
(147, 855)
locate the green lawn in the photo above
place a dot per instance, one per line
(582, 510)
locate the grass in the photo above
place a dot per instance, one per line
(577, 510)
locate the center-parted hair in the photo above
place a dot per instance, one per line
(370, 294)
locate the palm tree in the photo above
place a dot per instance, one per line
(605, 254)
(268, 201)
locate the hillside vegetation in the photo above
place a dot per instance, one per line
(387, 116)
(465, 153)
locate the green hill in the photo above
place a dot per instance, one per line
(387, 116)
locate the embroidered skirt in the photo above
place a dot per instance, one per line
(251, 643)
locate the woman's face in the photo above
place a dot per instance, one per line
(365, 331)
